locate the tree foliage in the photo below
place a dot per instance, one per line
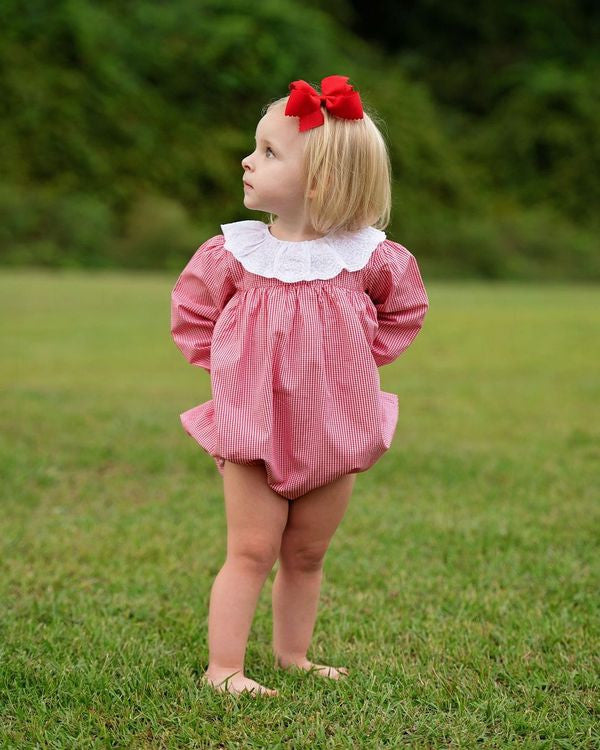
(123, 126)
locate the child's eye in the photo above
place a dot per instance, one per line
(270, 149)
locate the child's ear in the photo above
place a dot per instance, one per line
(311, 191)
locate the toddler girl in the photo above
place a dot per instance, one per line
(292, 319)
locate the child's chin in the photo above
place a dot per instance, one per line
(255, 206)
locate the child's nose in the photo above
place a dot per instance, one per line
(247, 161)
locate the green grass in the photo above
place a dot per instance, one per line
(461, 588)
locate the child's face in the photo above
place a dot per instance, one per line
(274, 168)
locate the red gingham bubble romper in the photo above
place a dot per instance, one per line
(292, 334)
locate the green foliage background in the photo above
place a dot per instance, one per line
(123, 126)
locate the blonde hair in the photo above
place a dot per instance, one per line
(347, 164)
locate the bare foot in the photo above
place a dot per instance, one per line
(335, 673)
(236, 683)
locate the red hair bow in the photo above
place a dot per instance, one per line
(337, 95)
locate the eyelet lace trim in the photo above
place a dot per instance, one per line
(261, 253)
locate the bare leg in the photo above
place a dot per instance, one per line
(256, 517)
(312, 521)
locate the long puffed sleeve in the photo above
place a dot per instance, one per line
(396, 288)
(198, 298)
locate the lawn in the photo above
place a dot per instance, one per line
(461, 588)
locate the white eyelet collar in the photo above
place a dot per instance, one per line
(263, 254)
